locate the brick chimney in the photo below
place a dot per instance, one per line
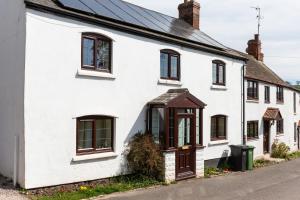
(254, 48)
(189, 11)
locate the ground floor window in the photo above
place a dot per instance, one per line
(252, 129)
(280, 126)
(94, 134)
(218, 127)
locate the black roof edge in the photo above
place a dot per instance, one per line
(148, 33)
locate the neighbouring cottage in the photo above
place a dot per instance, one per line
(271, 105)
(79, 78)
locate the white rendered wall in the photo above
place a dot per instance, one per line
(12, 55)
(256, 110)
(56, 95)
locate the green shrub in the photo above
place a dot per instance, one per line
(280, 150)
(293, 155)
(211, 171)
(144, 157)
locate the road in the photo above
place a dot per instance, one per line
(278, 182)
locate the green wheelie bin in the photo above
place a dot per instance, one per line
(250, 152)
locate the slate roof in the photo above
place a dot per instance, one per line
(138, 19)
(272, 114)
(165, 98)
(259, 71)
(176, 94)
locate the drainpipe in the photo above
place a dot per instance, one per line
(243, 105)
(16, 160)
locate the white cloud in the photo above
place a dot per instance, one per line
(233, 23)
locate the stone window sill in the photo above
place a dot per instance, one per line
(97, 74)
(252, 101)
(94, 156)
(252, 139)
(169, 82)
(279, 134)
(218, 142)
(218, 87)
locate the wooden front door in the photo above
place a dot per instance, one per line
(186, 151)
(266, 136)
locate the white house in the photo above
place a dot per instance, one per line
(272, 105)
(79, 78)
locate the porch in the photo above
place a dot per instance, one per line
(175, 120)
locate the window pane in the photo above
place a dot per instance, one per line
(88, 52)
(214, 73)
(221, 74)
(103, 52)
(221, 127)
(213, 127)
(157, 124)
(85, 137)
(164, 65)
(103, 133)
(174, 66)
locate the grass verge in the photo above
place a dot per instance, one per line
(117, 184)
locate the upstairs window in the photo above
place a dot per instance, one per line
(279, 126)
(279, 94)
(252, 130)
(252, 90)
(267, 94)
(169, 65)
(96, 52)
(94, 134)
(218, 127)
(218, 72)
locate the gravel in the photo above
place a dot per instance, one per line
(8, 192)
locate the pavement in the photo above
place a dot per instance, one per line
(277, 182)
(8, 192)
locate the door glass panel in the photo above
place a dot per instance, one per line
(184, 131)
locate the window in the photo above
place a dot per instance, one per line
(280, 126)
(252, 90)
(218, 127)
(279, 94)
(169, 65)
(295, 104)
(94, 134)
(267, 94)
(96, 53)
(219, 72)
(252, 129)
(157, 124)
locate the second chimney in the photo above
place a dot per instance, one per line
(254, 48)
(189, 11)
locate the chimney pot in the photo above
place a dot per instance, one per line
(189, 11)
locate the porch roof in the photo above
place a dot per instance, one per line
(272, 114)
(178, 98)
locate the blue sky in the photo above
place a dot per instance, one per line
(233, 23)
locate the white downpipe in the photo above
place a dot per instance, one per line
(16, 155)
